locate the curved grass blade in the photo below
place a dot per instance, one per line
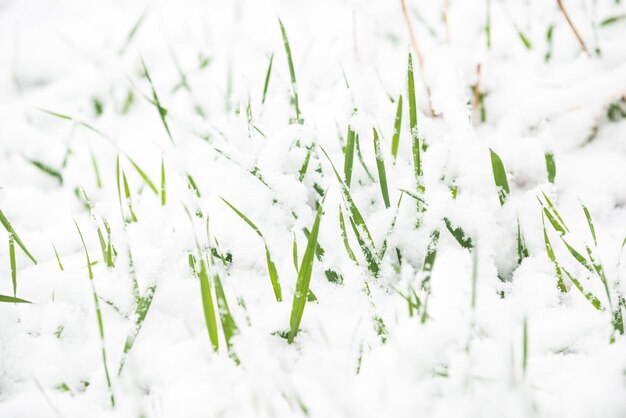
(304, 276)
(499, 177)
(7, 225)
(382, 174)
(271, 267)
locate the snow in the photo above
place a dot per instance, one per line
(461, 361)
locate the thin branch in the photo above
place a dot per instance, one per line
(571, 25)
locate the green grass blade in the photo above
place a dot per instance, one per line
(577, 256)
(590, 223)
(128, 198)
(348, 159)
(207, 303)
(595, 302)
(56, 254)
(550, 166)
(133, 31)
(271, 267)
(305, 163)
(292, 74)
(192, 185)
(552, 257)
(361, 160)
(144, 176)
(48, 170)
(358, 224)
(525, 40)
(141, 311)
(612, 19)
(13, 264)
(415, 141)
(556, 212)
(98, 317)
(459, 235)
(228, 323)
(163, 188)
(383, 248)
(499, 177)
(267, 78)
(96, 170)
(522, 250)
(380, 165)
(344, 236)
(397, 128)
(7, 225)
(294, 252)
(304, 276)
(11, 299)
(155, 101)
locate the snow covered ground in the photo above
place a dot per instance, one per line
(503, 326)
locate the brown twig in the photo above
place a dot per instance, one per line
(418, 53)
(571, 25)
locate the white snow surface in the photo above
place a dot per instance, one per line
(461, 362)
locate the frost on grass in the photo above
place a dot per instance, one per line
(307, 216)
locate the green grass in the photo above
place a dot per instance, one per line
(268, 74)
(348, 159)
(98, 317)
(156, 102)
(13, 264)
(141, 311)
(11, 299)
(56, 254)
(382, 174)
(361, 231)
(304, 277)
(46, 169)
(397, 128)
(163, 188)
(292, 74)
(499, 177)
(144, 176)
(550, 166)
(7, 225)
(271, 267)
